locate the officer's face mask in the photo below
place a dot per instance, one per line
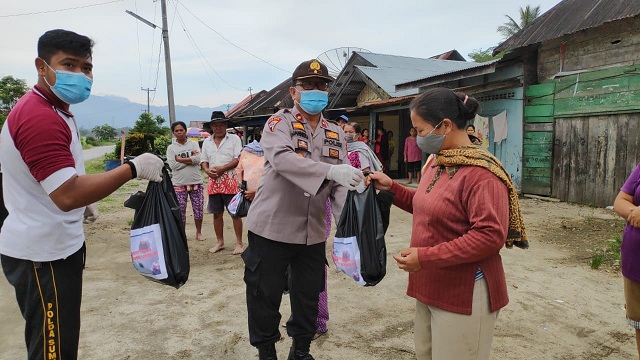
(313, 101)
(430, 143)
(70, 87)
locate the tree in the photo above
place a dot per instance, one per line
(147, 124)
(104, 132)
(527, 15)
(11, 90)
(479, 55)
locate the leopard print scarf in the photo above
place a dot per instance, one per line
(451, 160)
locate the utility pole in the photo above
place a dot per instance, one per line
(167, 56)
(167, 61)
(148, 98)
(250, 96)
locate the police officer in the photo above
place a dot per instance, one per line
(305, 164)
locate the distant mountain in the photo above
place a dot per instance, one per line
(120, 112)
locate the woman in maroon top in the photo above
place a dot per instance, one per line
(461, 217)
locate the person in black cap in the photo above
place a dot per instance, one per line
(219, 159)
(305, 165)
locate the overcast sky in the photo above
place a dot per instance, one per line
(209, 71)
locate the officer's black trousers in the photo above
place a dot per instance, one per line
(266, 263)
(49, 295)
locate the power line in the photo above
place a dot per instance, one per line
(58, 10)
(230, 42)
(184, 27)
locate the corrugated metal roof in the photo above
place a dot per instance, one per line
(568, 17)
(472, 65)
(391, 70)
(267, 102)
(449, 55)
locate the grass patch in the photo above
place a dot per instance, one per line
(596, 261)
(94, 166)
(609, 255)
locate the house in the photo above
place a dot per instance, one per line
(365, 90)
(582, 103)
(498, 85)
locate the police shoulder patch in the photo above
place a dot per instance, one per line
(298, 126)
(273, 122)
(333, 153)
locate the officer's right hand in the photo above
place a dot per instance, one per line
(345, 175)
(382, 181)
(148, 166)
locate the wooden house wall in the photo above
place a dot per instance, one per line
(614, 43)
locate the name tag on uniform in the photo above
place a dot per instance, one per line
(298, 126)
(331, 135)
(302, 134)
(303, 145)
(332, 142)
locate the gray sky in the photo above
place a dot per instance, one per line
(209, 71)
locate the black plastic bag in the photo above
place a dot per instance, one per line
(359, 248)
(159, 248)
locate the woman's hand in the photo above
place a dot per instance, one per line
(380, 180)
(634, 217)
(408, 260)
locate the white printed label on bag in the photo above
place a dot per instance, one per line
(147, 253)
(346, 257)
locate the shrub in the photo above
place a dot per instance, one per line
(137, 144)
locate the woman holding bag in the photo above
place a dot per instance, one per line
(464, 211)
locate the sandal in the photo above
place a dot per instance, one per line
(317, 335)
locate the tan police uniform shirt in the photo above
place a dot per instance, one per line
(290, 204)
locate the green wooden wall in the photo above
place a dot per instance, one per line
(538, 139)
(610, 91)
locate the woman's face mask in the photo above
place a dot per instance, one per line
(431, 143)
(349, 137)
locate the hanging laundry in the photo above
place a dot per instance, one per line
(500, 127)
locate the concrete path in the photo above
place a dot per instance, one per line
(96, 152)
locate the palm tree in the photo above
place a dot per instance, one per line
(527, 15)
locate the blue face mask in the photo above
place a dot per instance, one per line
(71, 87)
(313, 101)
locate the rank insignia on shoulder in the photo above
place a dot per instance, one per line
(333, 153)
(331, 135)
(298, 117)
(273, 122)
(324, 124)
(298, 126)
(303, 145)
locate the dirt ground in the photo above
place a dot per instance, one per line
(559, 307)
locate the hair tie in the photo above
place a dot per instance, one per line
(466, 97)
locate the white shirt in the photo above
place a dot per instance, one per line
(36, 229)
(229, 149)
